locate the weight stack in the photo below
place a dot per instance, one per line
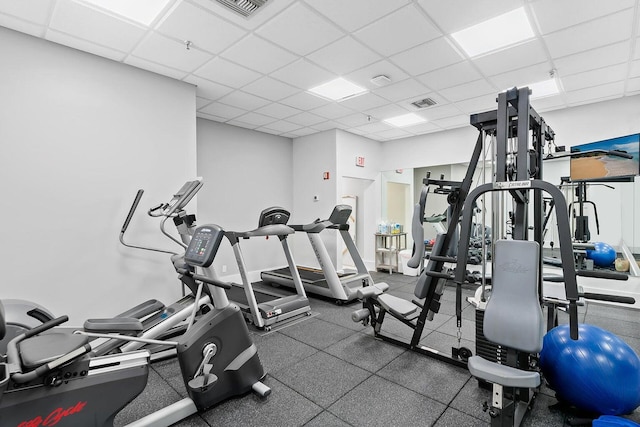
(485, 348)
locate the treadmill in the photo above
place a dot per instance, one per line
(327, 282)
(266, 307)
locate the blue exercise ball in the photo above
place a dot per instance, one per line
(603, 255)
(597, 373)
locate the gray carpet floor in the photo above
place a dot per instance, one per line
(329, 371)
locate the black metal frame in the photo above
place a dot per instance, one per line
(521, 174)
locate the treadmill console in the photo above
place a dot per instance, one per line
(273, 215)
(340, 214)
(204, 245)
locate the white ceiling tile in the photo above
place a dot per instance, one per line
(513, 58)
(244, 100)
(439, 112)
(270, 131)
(636, 54)
(398, 31)
(266, 12)
(304, 101)
(306, 119)
(634, 69)
(468, 91)
(34, 11)
(521, 77)
(227, 73)
(592, 59)
(393, 134)
(354, 14)
(453, 122)
(258, 54)
(555, 15)
(303, 74)
(427, 57)
(255, 119)
(548, 103)
(271, 89)
(300, 30)
(210, 117)
(205, 30)
(281, 126)
(356, 131)
(606, 91)
(454, 15)
(322, 126)
(633, 85)
(168, 52)
(364, 75)
(357, 119)
(423, 128)
(301, 132)
(241, 124)
(387, 111)
(395, 92)
(84, 45)
(278, 111)
(155, 68)
(595, 77)
(207, 88)
(449, 76)
(332, 111)
(221, 110)
(592, 34)
(374, 127)
(364, 102)
(17, 24)
(477, 105)
(202, 102)
(72, 18)
(344, 56)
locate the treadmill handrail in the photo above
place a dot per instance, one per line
(267, 230)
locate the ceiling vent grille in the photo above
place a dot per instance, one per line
(243, 7)
(424, 103)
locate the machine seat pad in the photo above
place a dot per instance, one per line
(502, 374)
(396, 305)
(44, 348)
(120, 325)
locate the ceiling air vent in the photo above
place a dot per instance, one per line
(424, 103)
(243, 7)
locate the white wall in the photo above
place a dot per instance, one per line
(312, 156)
(80, 134)
(350, 146)
(244, 172)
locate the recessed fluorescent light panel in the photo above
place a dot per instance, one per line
(141, 11)
(338, 90)
(544, 88)
(496, 33)
(405, 120)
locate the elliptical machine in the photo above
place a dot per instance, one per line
(159, 322)
(51, 378)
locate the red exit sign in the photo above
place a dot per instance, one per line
(360, 161)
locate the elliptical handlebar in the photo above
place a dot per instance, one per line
(132, 210)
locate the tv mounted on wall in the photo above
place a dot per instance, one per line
(611, 159)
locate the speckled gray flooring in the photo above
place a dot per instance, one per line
(328, 371)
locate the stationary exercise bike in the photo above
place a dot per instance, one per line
(50, 378)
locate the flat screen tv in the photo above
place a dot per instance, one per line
(611, 159)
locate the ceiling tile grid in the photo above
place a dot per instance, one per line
(256, 72)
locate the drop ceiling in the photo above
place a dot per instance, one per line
(255, 72)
